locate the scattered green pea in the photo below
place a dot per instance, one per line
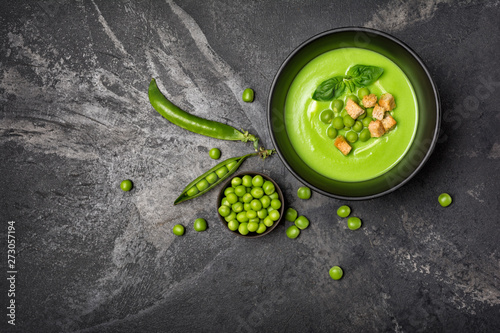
(336, 272)
(248, 95)
(338, 123)
(365, 135)
(126, 185)
(363, 92)
(444, 199)
(302, 222)
(354, 98)
(200, 225)
(304, 192)
(214, 153)
(326, 116)
(366, 122)
(354, 223)
(293, 232)
(369, 112)
(344, 211)
(351, 136)
(348, 121)
(178, 230)
(331, 132)
(291, 215)
(362, 116)
(337, 105)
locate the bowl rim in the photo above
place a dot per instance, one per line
(413, 54)
(277, 189)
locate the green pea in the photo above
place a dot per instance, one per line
(240, 190)
(233, 225)
(247, 180)
(331, 132)
(192, 191)
(337, 105)
(243, 229)
(351, 136)
(344, 211)
(338, 123)
(276, 204)
(262, 228)
(354, 98)
(178, 230)
(230, 217)
(224, 211)
(251, 214)
(302, 222)
(202, 185)
(257, 181)
(252, 226)
(343, 113)
(362, 116)
(363, 92)
(214, 153)
(257, 192)
(240, 199)
(366, 122)
(232, 198)
(268, 222)
(336, 272)
(274, 215)
(236, 181)
(200, 225)
(268, 187)
(256, 205)
(222, 171)
(262, 214)
(126, 185)
(369, 112)
(274, 195)
(247, 207)
(292, 232)
(354, 223)
(212, 178)
(266, 201)
(348, 121)
(365, 135)
(249, 189)
(270, 209)
(358, 126)
(228, 190)
(326, 116)
(242, 217)
(444, 199)
(247, 198)
(248, 95)
(237, 207)
(291, 215)
(254, 220)
(231, 165)
(304, 192)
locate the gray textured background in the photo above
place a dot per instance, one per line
(75, 121)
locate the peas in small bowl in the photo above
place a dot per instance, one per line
(260, 215)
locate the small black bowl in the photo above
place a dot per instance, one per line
(429, 116)
(277, 189)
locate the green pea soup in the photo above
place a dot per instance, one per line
(308, 134)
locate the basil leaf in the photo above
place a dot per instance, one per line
(350, 84)
(327, 90)
(339, 89)
(363, 75)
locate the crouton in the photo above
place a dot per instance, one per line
(369, 101)
(378, 112)
(387, 102)
(376, 129)
(342, 145)
(388, 123)
(353, 109)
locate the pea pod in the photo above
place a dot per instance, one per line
(193, 123)
(199, 186)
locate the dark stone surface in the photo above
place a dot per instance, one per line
(75, 121)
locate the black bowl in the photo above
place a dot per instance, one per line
(428, 118)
